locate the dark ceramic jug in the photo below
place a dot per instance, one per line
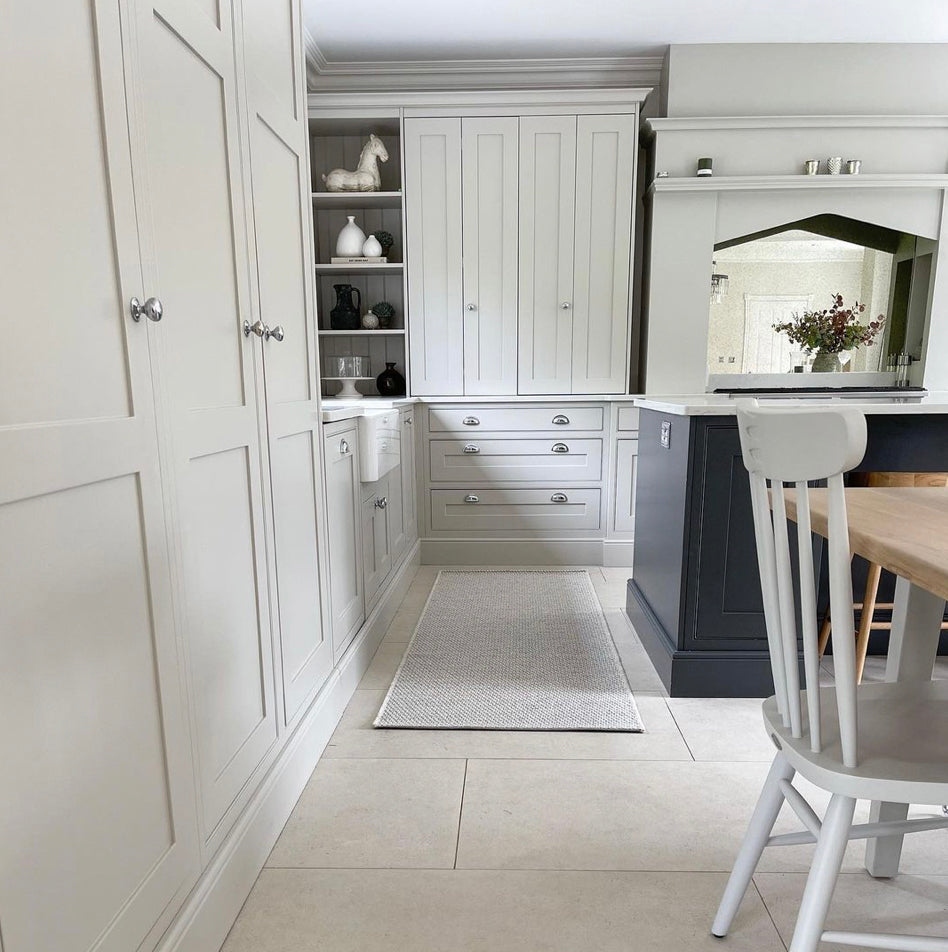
(390, 382)
(346, 316)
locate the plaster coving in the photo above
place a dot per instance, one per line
(566, 72)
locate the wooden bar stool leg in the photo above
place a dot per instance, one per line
(825, 629)
(866, 617)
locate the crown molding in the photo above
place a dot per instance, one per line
(427, 75)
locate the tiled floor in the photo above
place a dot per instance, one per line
(484, 841)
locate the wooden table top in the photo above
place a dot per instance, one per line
(903, 530)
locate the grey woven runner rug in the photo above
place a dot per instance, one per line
(521, 650)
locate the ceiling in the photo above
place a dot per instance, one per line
(409, 30)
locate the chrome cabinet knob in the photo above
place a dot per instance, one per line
(566, 305)
(472, 498)
(381, 503)
(151, 309)
(559, 497)
(471, 448)
(561, 419)
(343, 447)
(472, 307)
(560, 448)
(275, 332)
(408, 421)
(258, 328)
(471, 421)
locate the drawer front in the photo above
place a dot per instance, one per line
(546, 460)
(513, 509)
(556, 419)
(628, 418)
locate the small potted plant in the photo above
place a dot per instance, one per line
(385, 239)
(829, 332)
(384, 312)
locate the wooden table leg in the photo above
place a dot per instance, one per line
(913, 644)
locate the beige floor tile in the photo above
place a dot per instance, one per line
(643, 678)
(355, 737)
(384, 665)
(613, 573)
(375, 813)
(532, 814)
(911, 904)
(728, 729)
(611, 594)
(475, 911)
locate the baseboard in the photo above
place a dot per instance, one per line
(511, 552)
(210, 910)
(616, 553)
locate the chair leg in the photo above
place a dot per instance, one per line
(823, 874)
(755, 839)
(825, 630)
(866, 616)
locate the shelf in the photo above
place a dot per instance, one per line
(391, 268)
(380, 332)
(345, 200)
(720, 183)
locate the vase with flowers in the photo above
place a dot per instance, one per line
(829, 332)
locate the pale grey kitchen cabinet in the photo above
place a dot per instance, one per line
(577, 178)
(408, 475)
(376, 537)
(343, 494)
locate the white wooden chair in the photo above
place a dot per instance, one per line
(874, 741)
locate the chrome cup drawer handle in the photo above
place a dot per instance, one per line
(559, 497)
(471, 421)
(343, 447)
(561, 419)
(560, 448)
(472, 498)
(471, 448)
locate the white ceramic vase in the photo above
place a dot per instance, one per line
(372, 248)
(350, 241)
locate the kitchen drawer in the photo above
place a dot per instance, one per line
(556, 419)
(513, 509)
(628, 418)
(543, 460)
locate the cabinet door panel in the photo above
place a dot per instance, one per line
(345, 535)
(192, 199)
(98, 837)
(409, 490)
(547, 183)
(490, 188)
(376, 551)
(627, 455)
(605, 176)
(283, 295)
(433, 210)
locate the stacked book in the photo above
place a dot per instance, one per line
(358, 259)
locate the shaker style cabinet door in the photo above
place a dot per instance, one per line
(605, 175)
(433, 214)
(547, 183)
(489, 203)
(409, 489)
(283, 301)
(191, 192)
(376, 540)
(343, 491)
(98, 838)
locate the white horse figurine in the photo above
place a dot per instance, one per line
(366, 177)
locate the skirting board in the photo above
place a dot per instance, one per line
(511, 552)
(616, 553)
(210, 910)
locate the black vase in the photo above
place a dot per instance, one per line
(390, 382)
(346, 316)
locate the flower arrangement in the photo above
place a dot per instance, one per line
(832, 330)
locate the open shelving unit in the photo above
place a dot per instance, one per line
(336, 142)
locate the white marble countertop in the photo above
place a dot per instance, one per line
(335, 409)
(723, 404)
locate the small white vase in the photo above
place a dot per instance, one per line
(350, 241)
(372, 248)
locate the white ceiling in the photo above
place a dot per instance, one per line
(372, 30)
